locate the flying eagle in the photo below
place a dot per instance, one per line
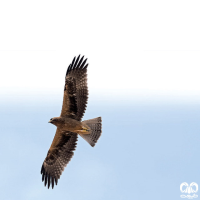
(69, 124)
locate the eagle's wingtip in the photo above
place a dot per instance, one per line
(77, 63)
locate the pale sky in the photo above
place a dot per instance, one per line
(123, 73)
(146, 50)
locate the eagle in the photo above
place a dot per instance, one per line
(69, 124)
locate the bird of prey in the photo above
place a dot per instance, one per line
(69, 124)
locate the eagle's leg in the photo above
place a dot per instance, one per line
(84, 130)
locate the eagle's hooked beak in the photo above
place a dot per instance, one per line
(49, 121)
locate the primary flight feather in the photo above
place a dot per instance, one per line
(69, 124)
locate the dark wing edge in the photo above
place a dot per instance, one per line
(75, 90)
(58, 157)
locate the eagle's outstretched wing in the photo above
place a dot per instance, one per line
(58, 156)
(75, 90)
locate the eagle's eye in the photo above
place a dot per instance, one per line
(51, 119)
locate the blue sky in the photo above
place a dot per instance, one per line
(143, 79)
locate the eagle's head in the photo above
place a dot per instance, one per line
(56, 121)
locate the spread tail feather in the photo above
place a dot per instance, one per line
(95, 131)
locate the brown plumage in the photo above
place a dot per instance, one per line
(69, 123)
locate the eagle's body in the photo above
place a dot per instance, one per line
(69, 124)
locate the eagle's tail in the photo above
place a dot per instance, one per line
(95, 131)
